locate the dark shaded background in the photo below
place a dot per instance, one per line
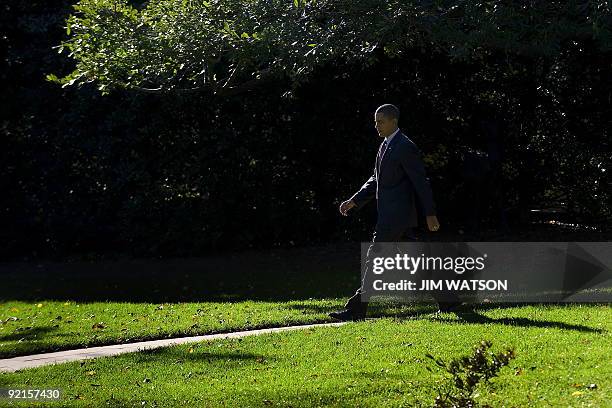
(185, 174)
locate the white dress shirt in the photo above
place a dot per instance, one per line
(388, 138)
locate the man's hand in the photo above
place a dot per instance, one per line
(345, 206)
(432, 223)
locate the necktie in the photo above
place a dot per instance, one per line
(381, 152)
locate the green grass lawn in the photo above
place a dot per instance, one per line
(61, 306)
(53, 325)
(58, 306)
(560, 352)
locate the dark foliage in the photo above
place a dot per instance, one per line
(185, 173)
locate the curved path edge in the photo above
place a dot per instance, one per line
(36, 360)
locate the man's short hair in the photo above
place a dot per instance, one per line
(390, 111)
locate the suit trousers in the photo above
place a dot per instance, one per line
(393, 234)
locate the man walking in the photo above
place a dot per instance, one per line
(399, 179)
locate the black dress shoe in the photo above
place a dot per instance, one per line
(348, 315)
(444, 307)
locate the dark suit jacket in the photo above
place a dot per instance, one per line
(400, 185)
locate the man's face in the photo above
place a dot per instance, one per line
(384, 125)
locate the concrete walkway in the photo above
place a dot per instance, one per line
(37, 360)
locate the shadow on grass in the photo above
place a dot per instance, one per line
(399, 311)
(312, 308)
(375, 310)
(474, 317)
(313, 390)
(465, 315)
(176, 355)
(274, 275)
(28, 333)
(280, 396)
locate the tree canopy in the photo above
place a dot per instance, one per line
(227, 46)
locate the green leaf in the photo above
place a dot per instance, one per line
(52, 78)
